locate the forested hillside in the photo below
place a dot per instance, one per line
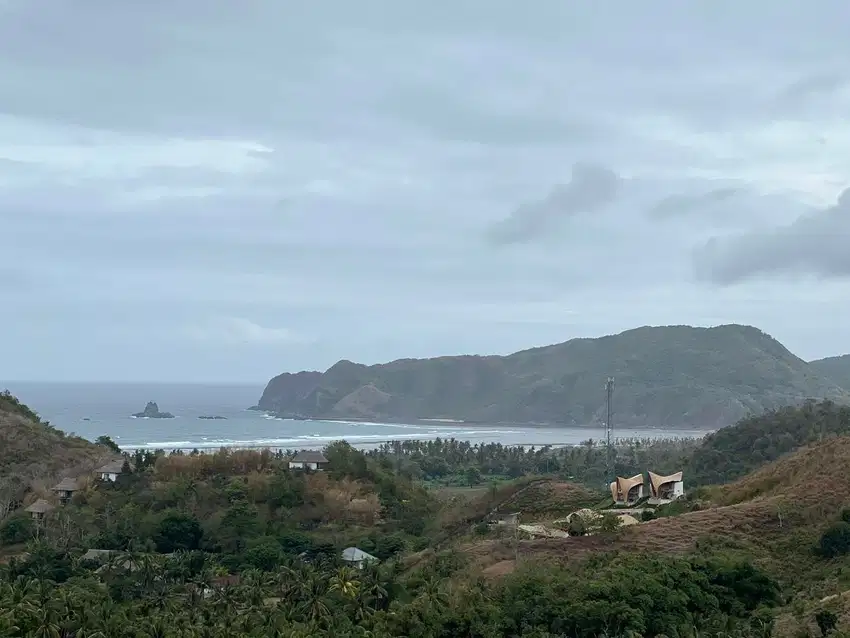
(665, 376)
(835, 368)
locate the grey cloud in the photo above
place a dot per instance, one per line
(590, 189)
(812, 85)
(397, 136)
(814, 245)
(684, 204)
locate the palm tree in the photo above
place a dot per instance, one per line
(46, 624)
(345, 582)
(313, 592)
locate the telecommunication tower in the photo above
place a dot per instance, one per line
(609, 429)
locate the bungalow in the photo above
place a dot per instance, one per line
(65, 489)
(98, 555)
(626, 491)
(357, 557)
(666, 488)
(308, 459)
(111, 471)
(39, 509)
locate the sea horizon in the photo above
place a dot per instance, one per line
(90, 410)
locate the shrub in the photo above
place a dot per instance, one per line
(647, 515)
(17, 529)
(835, 540)
(826, 620)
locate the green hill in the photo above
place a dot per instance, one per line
(835, 368)
(734, 451)
(665, 376)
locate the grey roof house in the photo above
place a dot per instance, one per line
(308, 459)
(357, 557)
(65, 489)
(111, 471)
(39, 509)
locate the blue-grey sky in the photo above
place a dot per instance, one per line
(208, 190)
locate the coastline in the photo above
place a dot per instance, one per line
(360, 445)
(499, 424)
(429, 421)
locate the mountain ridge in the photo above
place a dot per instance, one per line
(664, 376)
(836, 368)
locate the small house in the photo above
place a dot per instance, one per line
(98, 555)
(38, 509)
(111, 471)
(308, 460)
(626, 491)
(65, 489)
(666, 488)
(357, 557)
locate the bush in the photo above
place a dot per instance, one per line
(835, 541)
(647, 515)
(177, 531)
(826, 620)
(17, 529)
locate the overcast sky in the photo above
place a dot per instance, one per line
(209, 190)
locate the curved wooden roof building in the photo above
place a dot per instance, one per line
(659, 484)
(622, 488)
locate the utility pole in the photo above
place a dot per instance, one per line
(516, 540)
(609, 428)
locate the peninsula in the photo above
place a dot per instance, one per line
(666, 376)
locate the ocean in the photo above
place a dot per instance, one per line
(93, 409)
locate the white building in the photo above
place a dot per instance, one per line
(110, 471)
(357, 557)
(308, 460)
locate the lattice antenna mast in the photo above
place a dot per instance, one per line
(609, 429)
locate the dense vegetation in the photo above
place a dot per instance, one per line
(452, 462)
(53, 593)
(665, 376)
(236, 544)
(732, 452)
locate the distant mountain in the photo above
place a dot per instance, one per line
(835, 368)
(664, 376)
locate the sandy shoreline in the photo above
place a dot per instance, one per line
(360, 445)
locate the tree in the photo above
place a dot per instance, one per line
(835, 540)
(610, 523)
(108, 443)
(177, 531)
(473, 475)
(17, 529)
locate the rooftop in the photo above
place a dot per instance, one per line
(40, 507)
(98, 554)
(67, 484)
(309, 456)
(355, 555)
(113, 467)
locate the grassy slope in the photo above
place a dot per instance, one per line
(773, 516)
(32, 450)
(664, 375)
